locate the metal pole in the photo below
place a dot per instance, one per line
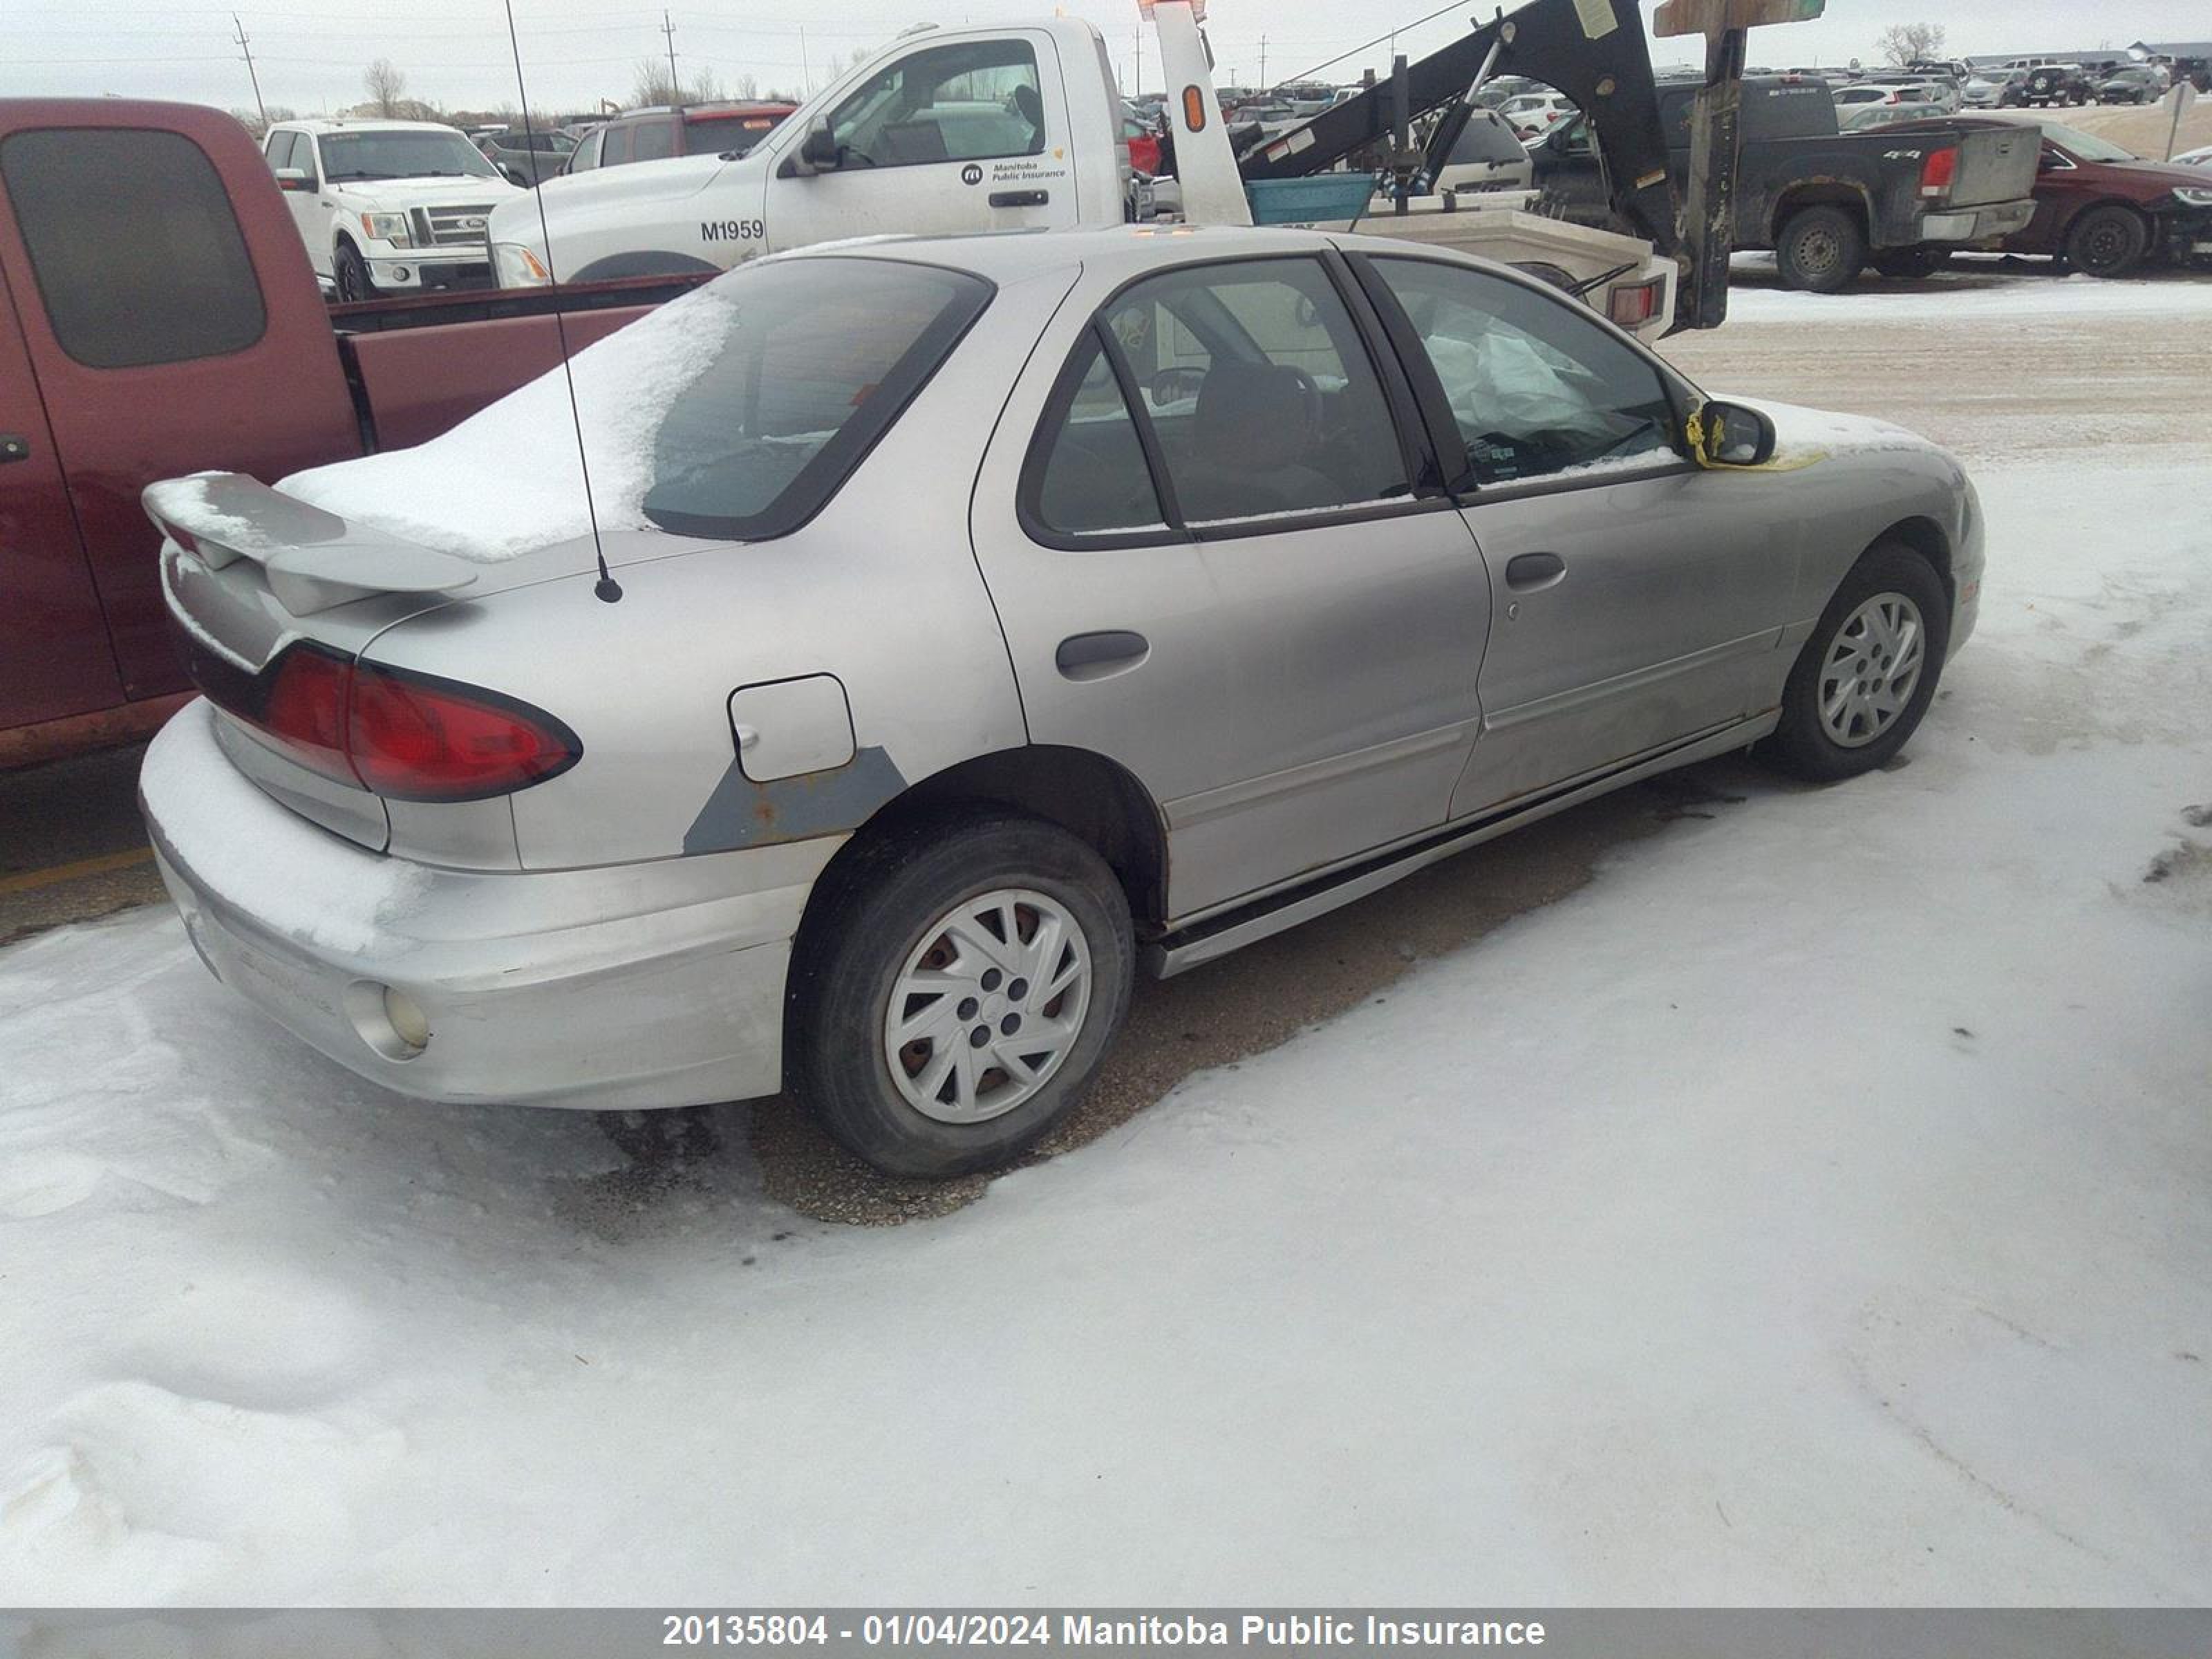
(675, 86)
(246, 46)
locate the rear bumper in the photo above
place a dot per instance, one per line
(1977, 224)
(641, 985)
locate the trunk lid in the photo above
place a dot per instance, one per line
(248, 571)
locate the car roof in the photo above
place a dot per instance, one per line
(324, 124)
(1119, 253)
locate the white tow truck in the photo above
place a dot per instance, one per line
(1019, 127)
(1012, 127)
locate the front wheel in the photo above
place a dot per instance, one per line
(1821, 250)
(2107, 242)
(351, 272)
(1868, 674)
(955, 991)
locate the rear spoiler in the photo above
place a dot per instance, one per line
(314, 559)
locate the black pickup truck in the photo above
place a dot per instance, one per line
(1827, 203)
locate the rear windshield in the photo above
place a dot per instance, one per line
(1487, 139)
(816, 359)
(726, 135)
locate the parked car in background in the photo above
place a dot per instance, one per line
(1487, 156)
(895, 821)
(1829, 203)
(387, 207)
(526, 158)
(1985, 87)
(2105, 210)
(1533, 114)
(656, 134)
(2143, 84)
(1867, 116)
(2051, 84)
(1941, 94)
(1142, 139)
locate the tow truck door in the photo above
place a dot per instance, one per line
(54, 657)
(953, 137)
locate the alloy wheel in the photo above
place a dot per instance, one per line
(988, 1005)
(1872, 668)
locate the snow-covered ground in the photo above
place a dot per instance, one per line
(1811, 1209)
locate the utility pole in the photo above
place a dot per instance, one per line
(247, 46)
(675, 86)
(805, 69)
(1263, 63)
(1140, 91)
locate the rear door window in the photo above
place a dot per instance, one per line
(653, 141)
(1089, 476)
(137, 253)
(1261, 394)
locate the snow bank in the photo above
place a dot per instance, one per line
(1970, 289)
(477, 492)
(1811, 1210)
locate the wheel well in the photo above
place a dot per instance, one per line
(1926, 538)
(1093, 798)
(644, 262)
(1831, 194)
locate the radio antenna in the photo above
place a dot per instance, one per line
(607, 588)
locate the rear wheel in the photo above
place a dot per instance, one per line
(351, 272)
(2107, 242)
(956, 994)
(1868, 674)
(1821, 250)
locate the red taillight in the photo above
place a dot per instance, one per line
(303, 707)
(1629, 306)
(413, 738)
(401, 735)
(1939, 172)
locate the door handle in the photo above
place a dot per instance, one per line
(13, 448)
(1094, 656)
(1020, 197)
(1528, 571)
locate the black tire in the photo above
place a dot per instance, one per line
(2107, 242)
(350, 272)
(1804, 744)
(1821, 250)
(1911, 264)
(882, 902)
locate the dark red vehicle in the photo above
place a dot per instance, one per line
(158, 316)
(1144, 146)
(2105, 210)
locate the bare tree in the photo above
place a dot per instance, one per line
(1909, 43)
(652, 84)
(252, 121)
(385, 86)
(747, 87)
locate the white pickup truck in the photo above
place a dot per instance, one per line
(987, 128)
(387, 207)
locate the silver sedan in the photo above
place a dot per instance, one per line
(954, 627)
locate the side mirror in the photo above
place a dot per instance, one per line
(294, 179)
(1731, 435)
(819, 150)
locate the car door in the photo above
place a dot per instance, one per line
(311, 208)
(1636, 600)
(54, 654)
(1198, 524)
(969, 135)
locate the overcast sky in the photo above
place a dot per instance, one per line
(454, 52)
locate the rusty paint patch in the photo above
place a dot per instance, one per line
(742, 813)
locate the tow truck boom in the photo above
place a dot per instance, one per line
(1593, 51)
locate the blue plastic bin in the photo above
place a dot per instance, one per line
(1328, 198)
